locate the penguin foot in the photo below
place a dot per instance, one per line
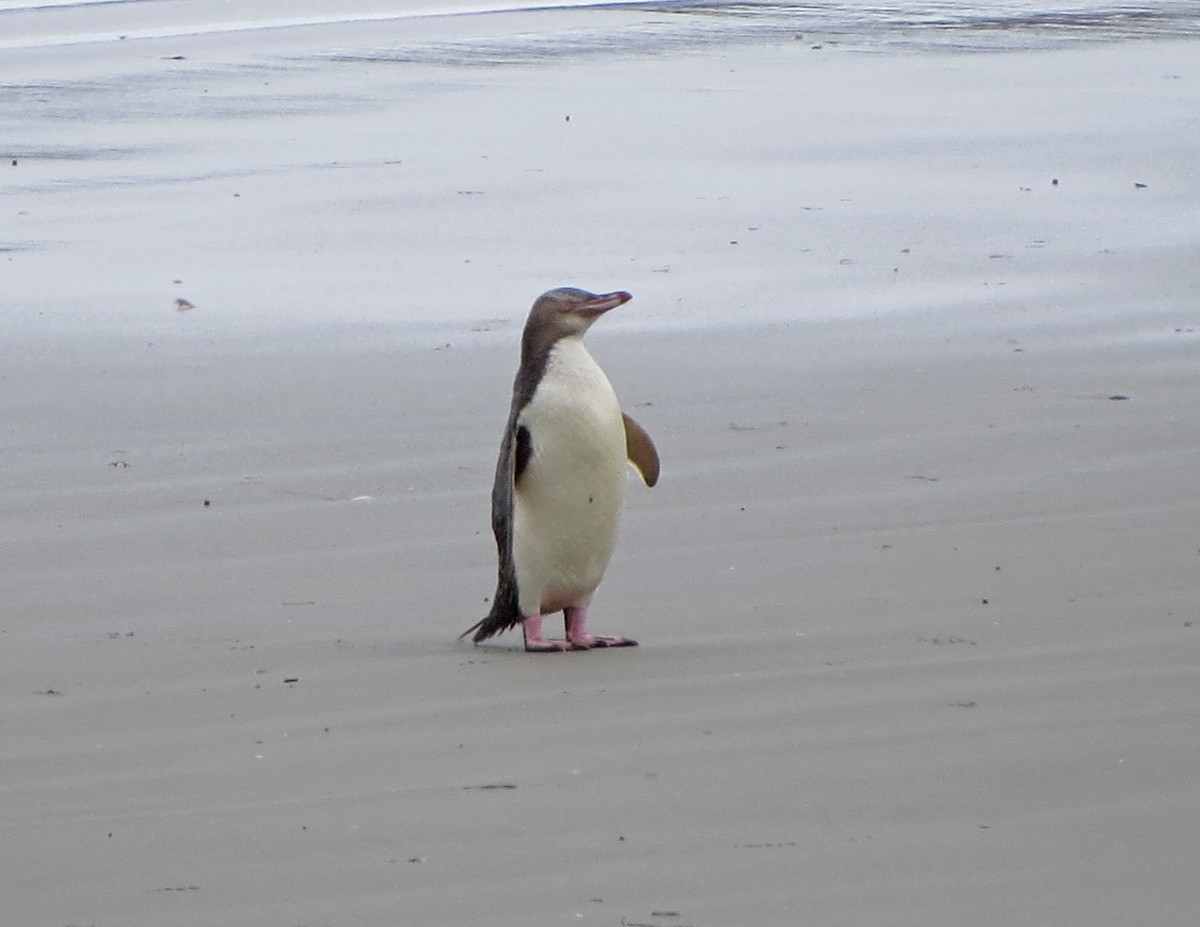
(581, 639)
(597, 642)
(547, 645)
(535, 642)
(578, 637)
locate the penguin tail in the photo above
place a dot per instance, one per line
(505, 614)
(490, 626)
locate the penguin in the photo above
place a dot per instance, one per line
(560, 477)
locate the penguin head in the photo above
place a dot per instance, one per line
(566, 312)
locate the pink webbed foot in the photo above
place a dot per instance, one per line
(581, 639)
(536, 642)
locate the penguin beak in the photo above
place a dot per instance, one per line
(598, 305)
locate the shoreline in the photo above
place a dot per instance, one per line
(840, 207)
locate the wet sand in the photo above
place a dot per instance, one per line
(916, 592)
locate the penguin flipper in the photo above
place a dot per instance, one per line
(641, 450)
(515, 451)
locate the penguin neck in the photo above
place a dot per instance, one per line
(569, 352)
(535, 347)
(536, 355)
(570, 366)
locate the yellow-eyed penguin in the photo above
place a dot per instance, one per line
(560, 478)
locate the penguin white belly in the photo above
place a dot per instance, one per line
(567, 502)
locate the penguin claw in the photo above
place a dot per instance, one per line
(548, 645)
(596, 643)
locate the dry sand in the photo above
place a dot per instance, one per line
(917, 594)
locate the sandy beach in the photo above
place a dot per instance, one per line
(916, 334)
